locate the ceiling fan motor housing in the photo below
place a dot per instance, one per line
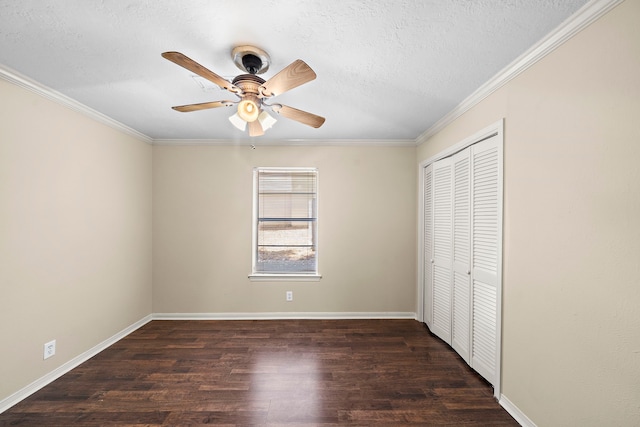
(251, 59)
(249, 83)
(251, 63)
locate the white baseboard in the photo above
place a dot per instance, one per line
(284, 315)
(68, 366)
(515, 412)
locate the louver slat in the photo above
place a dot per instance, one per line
(484, 329)
(461, 321)
(485, 206)
(428, 243)
(485, 216)
(442, 239)
(461, 251)
(442, 298)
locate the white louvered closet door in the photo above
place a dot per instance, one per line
(442, 239)
(428, 244)
(461, 252)
(486, 217)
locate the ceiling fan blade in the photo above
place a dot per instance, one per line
(203, 106)
(293, 75)
(255, 128)
(299, 115)
(191, 65)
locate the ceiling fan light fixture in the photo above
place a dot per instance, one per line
(237, 121)
(266, 120)
(252, 90)
(248, 110)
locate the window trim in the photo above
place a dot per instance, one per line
(285, 277)
(280, 276)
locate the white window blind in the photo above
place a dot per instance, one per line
(285, 233)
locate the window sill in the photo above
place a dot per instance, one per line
(258, 277)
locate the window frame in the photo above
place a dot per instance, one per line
(281, 276)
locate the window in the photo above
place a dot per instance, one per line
(285, 226)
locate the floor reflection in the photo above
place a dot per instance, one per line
(292, 383)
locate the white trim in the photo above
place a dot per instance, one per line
(497, 388)
(290, 142)
(280, 276)
(570, 27)
(68, 366)
(497, 126)
(26, 83)
(257, 277)
(421, 312)
(515, 412)
(285, 315)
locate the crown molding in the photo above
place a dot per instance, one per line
(16, 78)
(289, 142)
(570, 27)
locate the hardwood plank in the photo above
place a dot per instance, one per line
(268, 373)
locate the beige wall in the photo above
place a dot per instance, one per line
(76, 246)
(571, 316)
(75, 234)
(202, 202)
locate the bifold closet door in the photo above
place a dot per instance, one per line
(441, 270)
(428, 245)
(462, 247)
(486, 217)
(461, 252)
(450, 270)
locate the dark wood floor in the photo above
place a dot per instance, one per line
(268, 373)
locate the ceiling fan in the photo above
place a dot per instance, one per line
(252, 90)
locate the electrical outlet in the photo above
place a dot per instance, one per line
(49, 349)
(289, 295)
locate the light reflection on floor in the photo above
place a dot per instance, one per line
(290, 382)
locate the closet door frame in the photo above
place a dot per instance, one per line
(424, 314)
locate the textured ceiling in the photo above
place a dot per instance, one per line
(387, 69)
